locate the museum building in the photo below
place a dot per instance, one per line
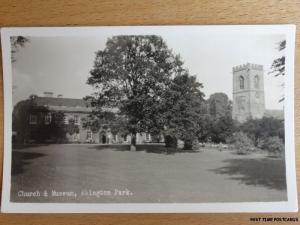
(75, 110)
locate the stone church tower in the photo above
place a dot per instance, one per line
(248, 92)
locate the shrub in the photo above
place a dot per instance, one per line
(242, 143)
(191, 144)
(170, 141)
(258, 129)
(274, 145)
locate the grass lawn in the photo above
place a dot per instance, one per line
(102, 174)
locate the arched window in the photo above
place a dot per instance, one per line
(242, 82)
(256, 81)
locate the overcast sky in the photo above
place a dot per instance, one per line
(62, 64)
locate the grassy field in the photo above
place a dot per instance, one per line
(93, 173)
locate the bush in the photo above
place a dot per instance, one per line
(274, 145)
(170, 141)
(242, 143)
(191, 144)
(221, 129)
(263, 128)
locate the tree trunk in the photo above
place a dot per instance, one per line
(133, 142)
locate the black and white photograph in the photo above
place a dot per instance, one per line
(149, 119)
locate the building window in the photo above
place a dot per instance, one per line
(148, 137)
(256, 81)
(89, 135)
(66, 120)
(242, 82)
(76, 119)
(32, 119)
(48, 119)
(115, 137)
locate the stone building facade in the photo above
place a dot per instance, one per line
(248, 92)
(74, 110)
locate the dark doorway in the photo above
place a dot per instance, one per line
(103, 139)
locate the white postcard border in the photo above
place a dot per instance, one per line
(288, 206)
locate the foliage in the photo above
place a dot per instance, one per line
(40, 132)
(222, 128)
(242, 143)
(217, 124)
(170, 141)
(20, 117)
(219, 105)
(278, 65)
(258, 129)
(274, 145)
(183, 103)
(191, 144)
(206, 123)
(131, 74)
(118, 126)
(17, 42)
(91, 122)
(71, 127)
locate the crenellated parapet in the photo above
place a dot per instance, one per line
(247, 66)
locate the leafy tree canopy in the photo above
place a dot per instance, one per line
(219, 105)
(131, 74)
(183, 108)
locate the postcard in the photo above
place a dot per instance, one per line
(136, 119)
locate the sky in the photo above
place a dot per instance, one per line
(61, 64)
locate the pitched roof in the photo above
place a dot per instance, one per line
(64, 104)
(68, 104)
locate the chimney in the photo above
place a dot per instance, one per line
(48, 94)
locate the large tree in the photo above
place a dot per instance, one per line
(222, 124)
(222, 128)
(131, 74)
(219, 105)
(183, 109)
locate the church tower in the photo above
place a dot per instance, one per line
(248, 92)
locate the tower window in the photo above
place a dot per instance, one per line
(242, 82)
(256, 81)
